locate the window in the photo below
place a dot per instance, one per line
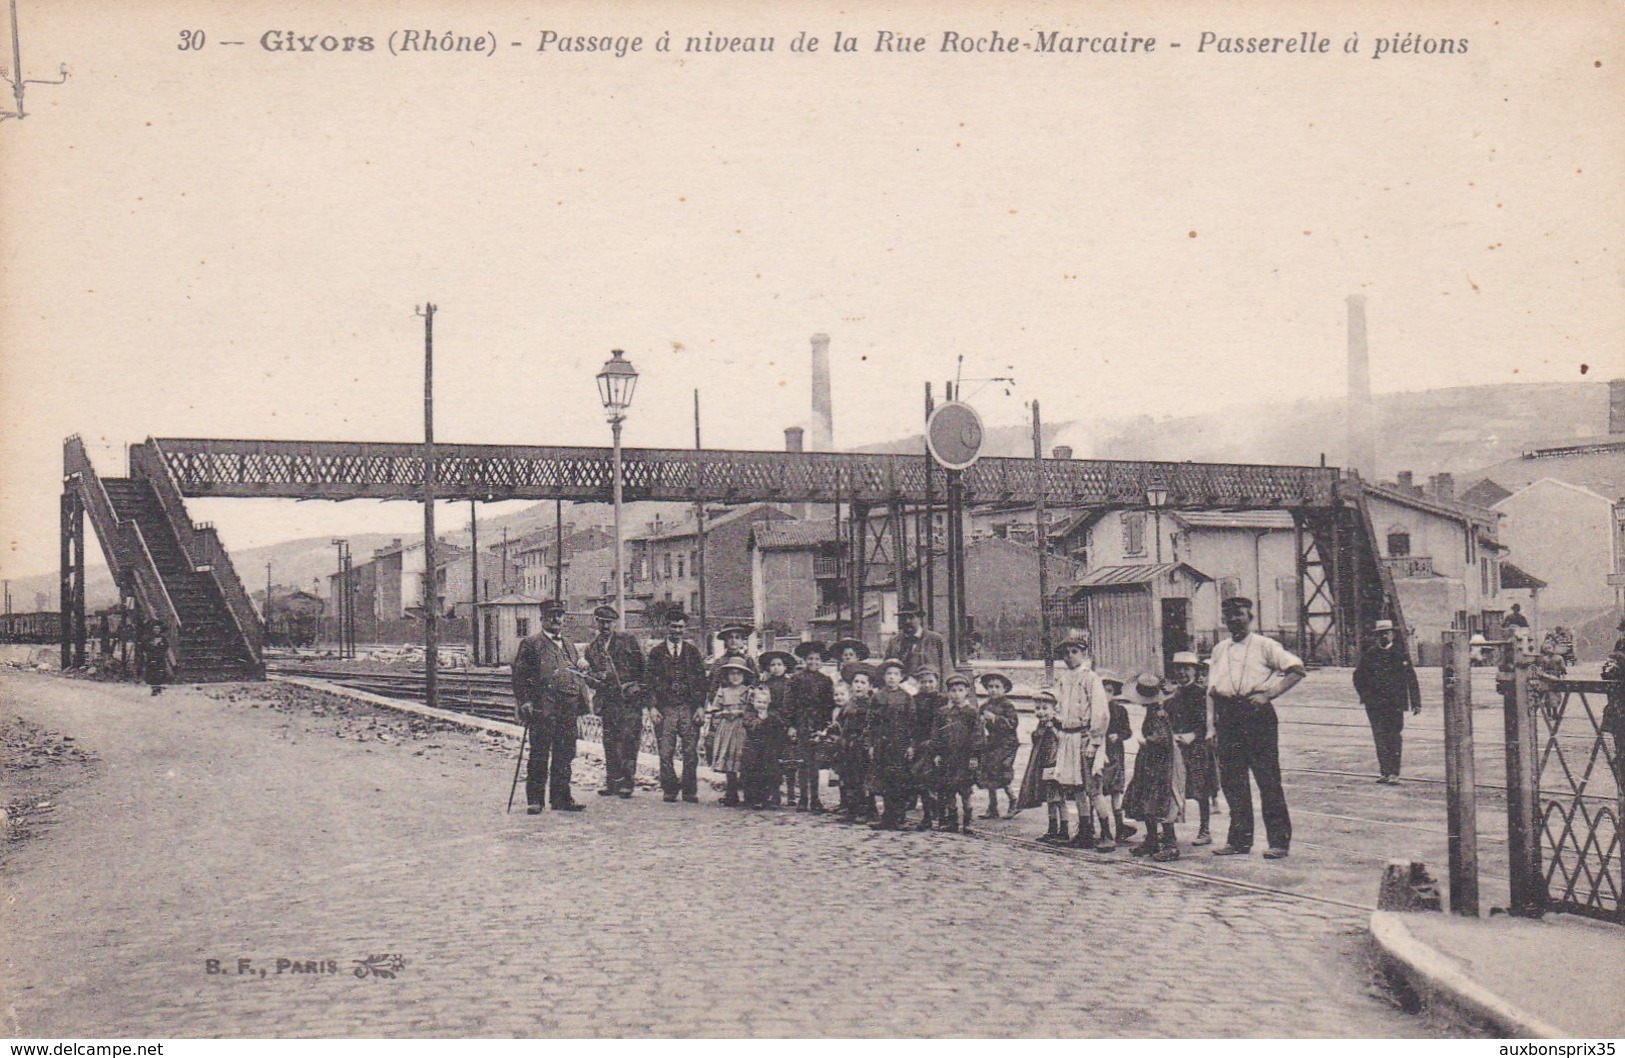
(694, 561)
(521, 626)
(668, 564)
(1133, 532)
(694, 602)
(680, 573)
(1399, 543)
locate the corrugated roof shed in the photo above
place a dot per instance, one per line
(791, 536)
(1128, 576)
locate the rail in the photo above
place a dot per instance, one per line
(201, 544)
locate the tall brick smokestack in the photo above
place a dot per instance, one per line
(1616, 406)
(821, 435)
(1361, 449)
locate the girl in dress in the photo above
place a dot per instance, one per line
(1156, 794)
(764, 735)
(999, 724)
(1189, 708)
(725, 715)
(1115, 776)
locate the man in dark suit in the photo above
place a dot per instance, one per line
(615, 670)
(674, 674)
(916, 647)
(1386, 684)
(548, 686)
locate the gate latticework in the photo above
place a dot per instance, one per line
(1579, 803)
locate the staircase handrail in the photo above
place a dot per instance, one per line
(123, 538)
(1385, 576)
(201, 545)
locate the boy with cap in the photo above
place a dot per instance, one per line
(809, 700)
(856, 750)
(927, 700)
(1083, 710)
(1038, 786)
(892, 729)
(1246, 673)
(956, 744)
(999, 726)
(615, 672)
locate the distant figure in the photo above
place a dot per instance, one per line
(1516, 618)
(1386, 683)
(155, 656)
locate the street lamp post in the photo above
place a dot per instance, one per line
(616, 382)
(1156, 497)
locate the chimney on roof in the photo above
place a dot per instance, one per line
(1062, 452)
(1406, 481)
(1616, 406)
(792, 438)
(1361, 447)
(823, 405)
(1444, 487)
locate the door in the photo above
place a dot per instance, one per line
(1176, 629)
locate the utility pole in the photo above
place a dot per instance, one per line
(474, 578)
(558, 549)
(431, 628)
(266, 617)
(699, 522)
(1041, 528)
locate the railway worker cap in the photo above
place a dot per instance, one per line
(858, 645)
(1383, 626)
(552, 606)
(1186, 657)
(1235, 603)
(1147, 690)
(892, 663)
(855, 668)
(957, 678)
(926, 670)
(783, 655)
(737, 665)
(737, 628)
(908, 609)
(988, 679)
(607, 613)
(812, 646)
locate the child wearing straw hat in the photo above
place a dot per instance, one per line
(726, 719)
(1156, 794)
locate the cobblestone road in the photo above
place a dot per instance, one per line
(217, 826)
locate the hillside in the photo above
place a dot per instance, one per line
(1459, 430)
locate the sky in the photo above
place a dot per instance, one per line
(228, 241)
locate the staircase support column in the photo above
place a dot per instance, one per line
(71, 587)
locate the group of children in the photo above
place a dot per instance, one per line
(1175, 763)
(898, 741)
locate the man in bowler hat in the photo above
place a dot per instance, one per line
(615, 667)
(548, 686)
(675, 676)
(915, 646)
(1386, 683)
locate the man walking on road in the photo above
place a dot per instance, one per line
(1246, 673)
(547, 684)
(615, 664)
(1386, 684)
(675, 676)
(915, 647)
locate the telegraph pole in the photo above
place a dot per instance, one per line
(431, 628)
(1041, 526)
(474, 578)
(699, 522)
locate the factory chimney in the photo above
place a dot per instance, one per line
(1616, 406)
(1360, 453)
(821, 436)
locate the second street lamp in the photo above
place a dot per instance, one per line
(616, 382)
(1156, 497)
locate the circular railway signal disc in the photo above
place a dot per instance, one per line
(954, 434)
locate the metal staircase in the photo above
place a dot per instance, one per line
(176, 572)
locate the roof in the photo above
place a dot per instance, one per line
(1466, 513)
(1570, 486)
(793, 535)
(687, 528)
(1130, 576)
(1234, 519)
(1514, 577)
(1598, 465)
(511, 599)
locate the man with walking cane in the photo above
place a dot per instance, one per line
(548, 686)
